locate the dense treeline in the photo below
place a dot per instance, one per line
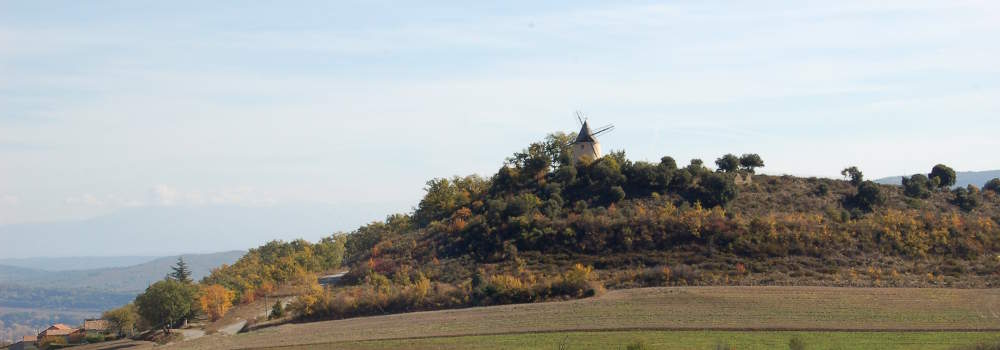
(277, 263)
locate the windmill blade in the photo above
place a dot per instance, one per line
(602, 130)
(580, 117)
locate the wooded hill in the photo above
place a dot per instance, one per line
(545, 228)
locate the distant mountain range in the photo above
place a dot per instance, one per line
(76, 263)
(163, 230)
(127, 279)
(965, 178)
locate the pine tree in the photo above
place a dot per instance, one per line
(181, 271)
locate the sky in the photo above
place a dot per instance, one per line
(107, 106)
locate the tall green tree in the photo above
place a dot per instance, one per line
(181, 271)
(749, 162)
(943, 176)
(728, 163)
(854, 174)
(167, 303)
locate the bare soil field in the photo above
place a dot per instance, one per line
(668, 308)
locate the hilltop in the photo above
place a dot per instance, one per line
(547, 228)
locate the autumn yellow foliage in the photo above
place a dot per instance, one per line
(215, 300)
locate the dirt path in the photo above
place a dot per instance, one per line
(233, 329)
(190, 334)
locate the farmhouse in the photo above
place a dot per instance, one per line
(28, 342)
(61, 334)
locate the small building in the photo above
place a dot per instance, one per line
(28, 342)
(60, 334)
(96, 327)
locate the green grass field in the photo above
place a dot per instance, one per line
(678, 340)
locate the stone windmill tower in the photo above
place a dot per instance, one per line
(586, 147)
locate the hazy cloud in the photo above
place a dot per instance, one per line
(9, 200)
(264, 104)
(165, 195)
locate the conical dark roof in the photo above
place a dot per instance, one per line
(585, 135)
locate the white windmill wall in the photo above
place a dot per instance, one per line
(586, 150)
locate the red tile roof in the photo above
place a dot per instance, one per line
(48, 332)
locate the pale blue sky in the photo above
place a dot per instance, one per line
(118, 104)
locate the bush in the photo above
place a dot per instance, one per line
(993, 185)
(822, 189)
(713, 190)
(967, 198)
(796, 343)
(379, 295)
(637, 345)
(917, 186)
(95, 338)
(277, 311)
(868, 197)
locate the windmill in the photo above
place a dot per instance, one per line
(586, 146)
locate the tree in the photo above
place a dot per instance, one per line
(215, 300)
(749, 162)
(728, 163)
(967, 198)
(167, 303)
(669, 163)
(943, 175)
(123, 320)
(330, 251)
(713, 190)
(854, 175)
(868, 197)
(360, 242)
(917, 186)
(697, 167)
(993, 185)
(444, 196)
(278, 310)
(181, 272)
(643, 179)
